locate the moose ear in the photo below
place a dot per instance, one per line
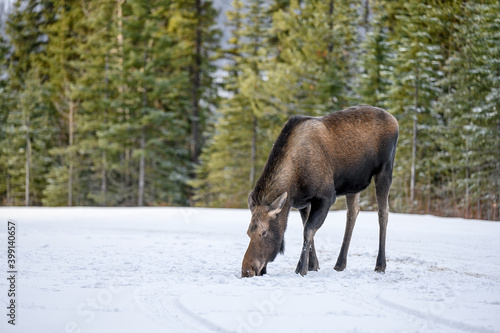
(251, 204)
(277, 205)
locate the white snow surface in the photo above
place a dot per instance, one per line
(178, 270)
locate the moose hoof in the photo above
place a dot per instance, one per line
(340, 265)
(380, 269)
(313, 262)
(302, 273)
(313, 268)
(301, 269)
(339, 268)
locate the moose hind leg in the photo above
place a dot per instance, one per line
(382, 185)
(319, 210)
(352, 201)
(313, 259)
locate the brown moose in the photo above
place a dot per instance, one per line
(313, 161)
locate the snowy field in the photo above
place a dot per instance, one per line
(177, 270)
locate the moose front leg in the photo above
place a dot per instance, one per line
(318, 211)
(313, 259)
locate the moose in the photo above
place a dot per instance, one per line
(313, 161)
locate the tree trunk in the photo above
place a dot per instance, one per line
(195, 89)
(456, 210)
(414, 144)
(429, 190)
(70, 154)
(496, 197)
(28, 157)
(413, 162)
(142, 162)
(330, 25)
(254, 151)
(366, 15)
(121, 91)
(103, 154)
(103, 179)
(467, 176)
(119, 38)
(7, 180)
(140, 201)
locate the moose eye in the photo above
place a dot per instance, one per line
(264, 233)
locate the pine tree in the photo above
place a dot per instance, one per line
(96, 88)
(247, 125)
(373, 82)
(27, 127)
(25, 30)
(193, 23)
(27, 138)
(374, 79)
(64, 35)
(156, 104)
(5, 103)
(121, 84)
(213, 175)
(317, 43)
(279, 70)
(470, 113)
(35, 127)
(416, 72)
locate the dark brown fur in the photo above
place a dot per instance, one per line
(313, 161)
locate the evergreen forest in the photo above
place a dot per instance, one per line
(152, 103)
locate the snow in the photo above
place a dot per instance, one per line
(177, 270)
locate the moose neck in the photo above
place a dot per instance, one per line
(271, 185)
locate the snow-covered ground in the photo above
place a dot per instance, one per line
(177, 270)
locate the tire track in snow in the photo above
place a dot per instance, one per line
(433, 266)
(434, 318)
(163, 305)
(199, 319)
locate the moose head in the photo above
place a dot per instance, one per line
(266, 231)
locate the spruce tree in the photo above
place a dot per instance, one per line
(317, 48)
(156, 104)
(5, 105)
(373, 81)
(248, 119)
(469, 109)
(219, 167)
(193, 23)
(64, 36)
(27, 120)
(96, 86)
(416, 72)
